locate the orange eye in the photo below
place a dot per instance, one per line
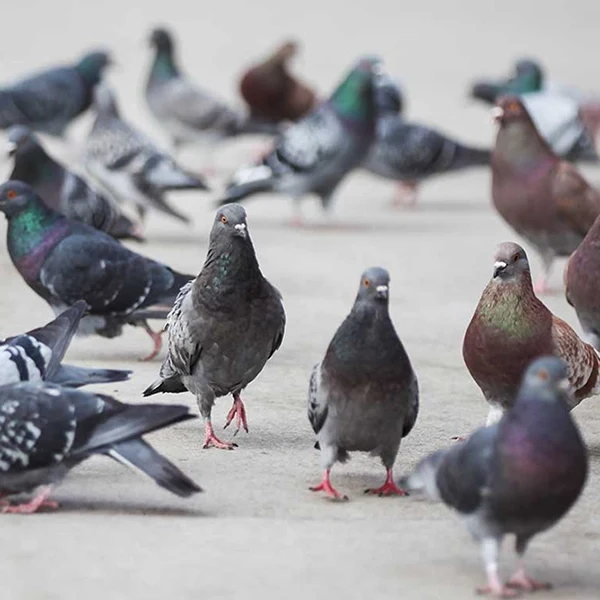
(366, 283)
(514, 107)
(543, 375)
(224, 219)
(11, 194)
(516, 257)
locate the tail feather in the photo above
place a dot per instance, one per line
(170, 385)
(467, 156)
(423, 477)
(123, 228)
(70, 376)
(486, 91)
(140, 455)
(254, 125)
(247, 182)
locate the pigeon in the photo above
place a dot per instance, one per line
(271, 93)
(511, 327)
(224, 326)
(63, 190)
(128, 164)
(48, 101)
(409, 152)
(316, 153)
(364, 394)
(37, 355)
(46, 430)
(187, 113)
(543, 198)
(520, 476)
(64, 261)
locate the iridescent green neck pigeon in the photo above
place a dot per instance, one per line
(64, 261)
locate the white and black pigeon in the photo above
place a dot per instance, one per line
(364, 395)
(225, 325)
(46, 430)
(62, 189)
(519, 476)
(37, 355)
(313, 155)
(128, 165)
(188, 113)
(49, 100)
(64, 261)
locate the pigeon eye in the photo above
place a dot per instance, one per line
(543, 375)
(11, 194)
(366, 283)
(224, 219)
(516, 257)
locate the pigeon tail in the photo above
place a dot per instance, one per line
(70, 376)
(247, 182)
(171, 385)
(255, 125)
(423, 478)
(488, 92)
(466, 156)
(123, 228)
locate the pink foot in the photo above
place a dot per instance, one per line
(156, 339)
(38, 501)
(238, 411)
(501, 591)
(541, 286)
(406, 195)
(521, 581)
(389, 488)
(325, 486)
(211, 440)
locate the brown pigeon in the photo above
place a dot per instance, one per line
(511, 327)
(543, 198)
(271, 93)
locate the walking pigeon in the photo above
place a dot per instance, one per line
(542, 197)
(128, 165)
(520, 476)
(187, 113)
(410, 153)
(364, 394)
(63, 190)
(46, 430)
(48, 101)
(271, 93)
(37, 355)
(316, 153)
(224, 326)
(511, 327)
(64, 261)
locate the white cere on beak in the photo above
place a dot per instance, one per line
(565, 385)
(382, 290)
(241, 227)
(497, 112)
(500, 264)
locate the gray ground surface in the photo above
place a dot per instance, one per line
(258, 532)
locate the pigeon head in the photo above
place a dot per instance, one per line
(230, 223)
(548, 377)
(16, 197)
(388, 97)
(510, 262)
(20, 140)
(91, 66)
(510, 109)
(161, 39)
(286, 51)
(374, 286)
(105, 102)
(529, 75)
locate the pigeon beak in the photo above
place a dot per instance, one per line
(240, 230)
(497, 114)
(499, 266)
(382, 291)
(565, 385)
(10, 148)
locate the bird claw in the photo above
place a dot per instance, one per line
(237, 411)
(157, 341)
(212, 441)
(28, 508)
(522, 582)
(389, 488)
(330, 491)
(498, 592)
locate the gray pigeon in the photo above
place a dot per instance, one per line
(316, 153)
(37, 355)
(48, 101)
(364, 394)
(410, 153)
(224, 325)
(519, 476)
(62, 189)
(46, 430)
(187, 113)
(129, 165)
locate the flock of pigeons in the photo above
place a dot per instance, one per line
(519, 474)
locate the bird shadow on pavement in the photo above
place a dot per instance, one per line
(125, 508)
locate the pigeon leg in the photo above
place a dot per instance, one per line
(406, 195)
(541, 284)
(156, 338)
(521, 581)
(238, 411)
(389, 488)
(211, 439)
(490, 548)
(325, 486)
(38, 501)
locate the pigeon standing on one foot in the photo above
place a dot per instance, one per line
(520, 476)
(46, 430)
(313, 155)
(511, 327)
(224, 326)
(37, 355)
(50, 100)
(187, 113)
(129, 166)
(542, 197)
(410, 153)
(272, 93)
(364, 395)
(64, 261)
(62, 190)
